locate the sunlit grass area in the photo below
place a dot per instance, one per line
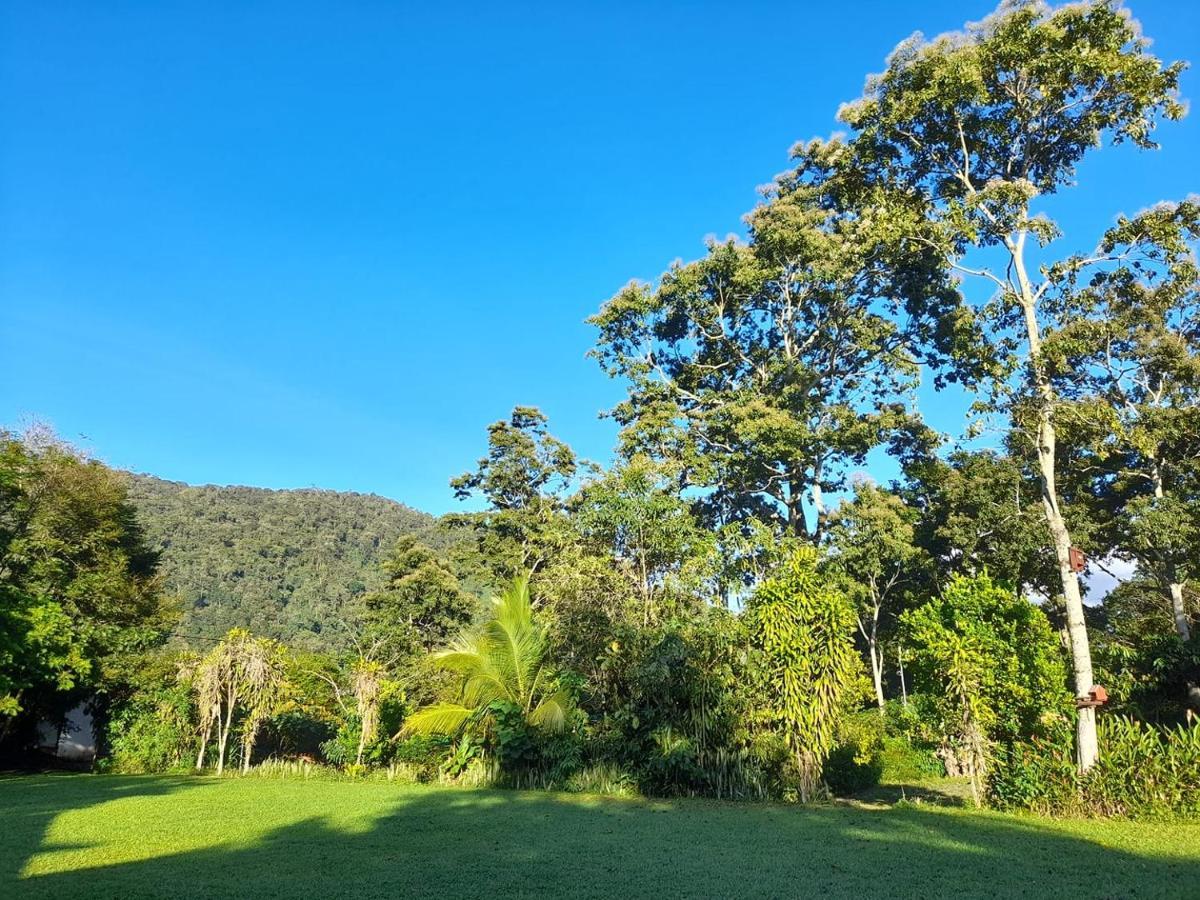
(109, 836)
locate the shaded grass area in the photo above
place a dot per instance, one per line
(938, 791)
(129, 837)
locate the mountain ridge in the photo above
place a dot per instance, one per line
(288, 563)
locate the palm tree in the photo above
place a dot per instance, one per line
(502, 663)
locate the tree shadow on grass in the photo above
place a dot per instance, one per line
(938, 792)
(449, 843)
(29, 803)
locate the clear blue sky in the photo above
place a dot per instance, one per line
(296, 244)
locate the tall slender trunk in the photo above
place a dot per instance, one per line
(248, 744)
(204, 742)
(362, 746)
(1087, 746)
(223, 729)
(818, 502)
(903, 685)
(870, 632)
(1170, 572)
(877, 675)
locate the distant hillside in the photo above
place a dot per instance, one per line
(281, 563)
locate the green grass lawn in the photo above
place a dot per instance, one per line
(88, 836)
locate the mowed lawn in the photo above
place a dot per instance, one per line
(86, 836)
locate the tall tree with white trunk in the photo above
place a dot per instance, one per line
(956, 144)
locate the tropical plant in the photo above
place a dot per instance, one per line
(242, 676)
(991, 663)
(803, 632)
(503, 667)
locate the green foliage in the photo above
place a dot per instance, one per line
(981, 511)
(1150, 672)
(523, 478)
(857, 759)
(738, 377)
(634, 514)
(504, 671)
(1144, 772)
(80, 603)
(672, 706)
(803, 634)
(912, 736)
(602, 778)
(421, 605)
(981, 648)
(153, 732)
(289, 565)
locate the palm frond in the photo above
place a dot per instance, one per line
(551, 714)
(439, 718)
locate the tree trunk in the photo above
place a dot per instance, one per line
(1178, 610)
(903, 685)
(870, 634)
(248, 745)
(1174, 585)
(204, 743)
(223, 730)
(877, 675)
(362, 745)
(1087, 747)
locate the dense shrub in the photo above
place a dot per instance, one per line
(1143, 772)
(856, 762)
(910, 740)
(152, 733)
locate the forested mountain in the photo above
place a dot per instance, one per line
(283, 563)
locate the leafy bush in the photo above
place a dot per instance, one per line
(856, 762)
(424, 756)
(1143, 772)
(910, 740)
(904, 761)
(152, 733)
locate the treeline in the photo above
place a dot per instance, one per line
(727, 610)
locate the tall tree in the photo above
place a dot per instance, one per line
(634, 515)
(238, 682)
(980, 511)
(871, 538)
(768, 369)
(963, 134)
(80, 599)
(1128, 359)
(524, 479)
(422, 604)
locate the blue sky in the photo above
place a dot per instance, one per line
(298, 244)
